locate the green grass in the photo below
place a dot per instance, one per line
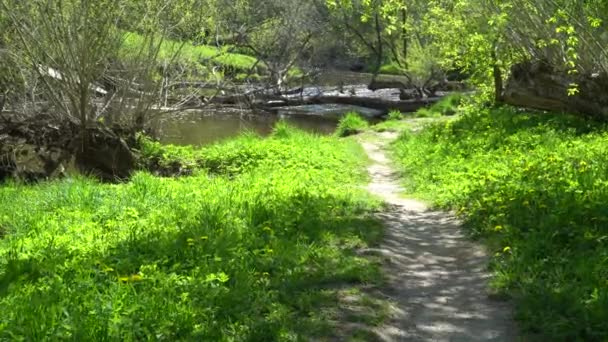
(193, 54)
(447, 106)
(391, 69)
(255, 245)
(535, 187)
(352, 123)
(395, 115)
(391, 126)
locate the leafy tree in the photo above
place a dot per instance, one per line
(486, 37)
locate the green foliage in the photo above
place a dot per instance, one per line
(190, 54)
(426, 113)
(445, 107)
(395, 115)
(391, 126)
(352, 123)
(286, 147)
(392, 69)
(534, 185)
(249, 255)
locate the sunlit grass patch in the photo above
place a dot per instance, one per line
(191, 54)
(251, 246)
(535, 186)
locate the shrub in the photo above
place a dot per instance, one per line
(448, 105)
(352, 123)
(282, 129)
(426, 113)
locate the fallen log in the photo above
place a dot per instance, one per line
(539, 86)
(360, 97)
(384, 105)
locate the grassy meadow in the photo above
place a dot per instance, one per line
(190, 54)
(257, 244)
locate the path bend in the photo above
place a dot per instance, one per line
(437, 278)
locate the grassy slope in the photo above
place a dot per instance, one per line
(536, 186)
(250, 250)
(193, 54)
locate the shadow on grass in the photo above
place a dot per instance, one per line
(255, 271)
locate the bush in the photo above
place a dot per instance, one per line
(352, 123)
(536, 187)
(448, 105)
(426, 113)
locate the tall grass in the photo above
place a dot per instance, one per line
(350, 124)
(251, 251)
(536, 187)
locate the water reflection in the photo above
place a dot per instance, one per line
(200, 129)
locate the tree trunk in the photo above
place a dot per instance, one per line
(404, 36)
(498, 83)
(380, 49)
(83, 108)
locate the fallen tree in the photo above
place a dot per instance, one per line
(269, 102)
(537, 85)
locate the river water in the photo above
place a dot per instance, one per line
(202, 129)
(208, 126)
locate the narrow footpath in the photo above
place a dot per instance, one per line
(437, 278)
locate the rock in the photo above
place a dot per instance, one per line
(537, 85)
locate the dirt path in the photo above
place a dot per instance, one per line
(437, 279)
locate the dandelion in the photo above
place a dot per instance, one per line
(136, 277)
(130, 279)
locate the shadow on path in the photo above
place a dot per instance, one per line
(437, 279)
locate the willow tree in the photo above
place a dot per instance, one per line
(77, 51)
